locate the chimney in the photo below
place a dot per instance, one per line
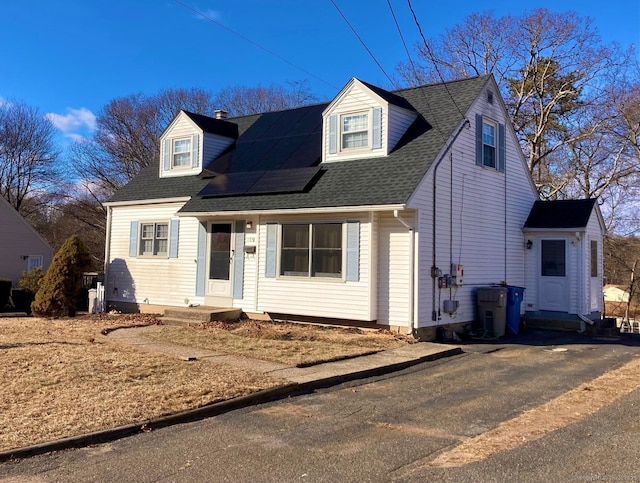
(221, 113)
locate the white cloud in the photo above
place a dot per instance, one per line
(75, 120)
(209, 14)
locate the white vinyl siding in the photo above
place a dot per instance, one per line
(213, 145)
(158, 280)
(594, 285)
(476, 233)
(393, 271)
(319, 297)
(399, 121)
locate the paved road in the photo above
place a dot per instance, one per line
(389, 428)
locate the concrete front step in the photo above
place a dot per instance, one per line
(185, 315)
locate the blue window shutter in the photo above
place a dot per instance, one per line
(272, 250)
(174, 229)
(376, 132)
(238, 260)
(133, 239)
(201, 260)
(479, 143)
(167, 154)
(195, 150)
(352, 271)
(502, 148)
(333, 134)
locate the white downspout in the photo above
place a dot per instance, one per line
(412, 269)
(107, 251)
(256, 283)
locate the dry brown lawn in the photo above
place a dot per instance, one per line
(293, 344)
(62, 378)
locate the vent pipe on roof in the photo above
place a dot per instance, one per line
(221, 113)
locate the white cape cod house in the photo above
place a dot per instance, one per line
(387, 208)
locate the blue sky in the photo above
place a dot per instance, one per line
(71, 57)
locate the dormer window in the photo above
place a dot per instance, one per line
(181, 153)
(355, 131)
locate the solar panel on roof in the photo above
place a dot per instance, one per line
(230, 184)
(284, 180)
(261, 182)
(285, 139)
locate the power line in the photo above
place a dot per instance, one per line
(363, 44)
(430, 52)
(413, 66)
(255, 44)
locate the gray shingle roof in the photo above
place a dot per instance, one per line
(567, 214)
(376, 181)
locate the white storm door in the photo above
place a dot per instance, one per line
(220, 260)
(553, 281)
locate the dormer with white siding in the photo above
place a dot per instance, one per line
(191, 141)
(364, 121)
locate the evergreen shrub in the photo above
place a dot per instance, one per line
(58, 292)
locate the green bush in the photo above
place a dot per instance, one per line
(30, 281)
(60, 286)
(5, 293)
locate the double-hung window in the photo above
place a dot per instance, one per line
(154, 239)
(355, 131)
(491, 143)
(181, 153)
(488, 143)
(311, 250)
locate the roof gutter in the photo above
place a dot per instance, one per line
(181, 199)
(294, 211)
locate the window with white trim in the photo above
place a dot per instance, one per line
(355, 131)
(181, 154)
(34, 261)
(154, 239)
(311, 250)
(489, 129)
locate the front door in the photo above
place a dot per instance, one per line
(553, 281)
(220, 260)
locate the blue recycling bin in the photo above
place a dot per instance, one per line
(515, 295)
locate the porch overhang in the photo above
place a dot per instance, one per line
(294, 211)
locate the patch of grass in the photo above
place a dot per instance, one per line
(287, 343)
(63, 378)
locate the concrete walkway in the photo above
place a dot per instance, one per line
(401, 357)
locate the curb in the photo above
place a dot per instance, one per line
(214, 409)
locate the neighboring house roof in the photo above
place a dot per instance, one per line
(560, 214)
(387, 180)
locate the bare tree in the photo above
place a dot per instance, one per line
(243, 100)
(552, 70)
(621, 262)
(127, 137)
(27, 153)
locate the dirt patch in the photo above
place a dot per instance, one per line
(63, 378)
(287, 343)
(572, 406)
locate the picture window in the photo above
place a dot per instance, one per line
(311, 250)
